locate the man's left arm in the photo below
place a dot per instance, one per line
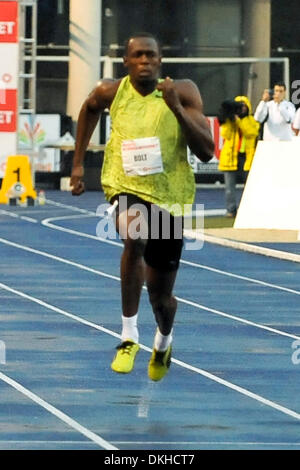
(287, 111)
(184, 99)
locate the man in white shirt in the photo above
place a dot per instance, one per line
(296, 123)
(276, 114)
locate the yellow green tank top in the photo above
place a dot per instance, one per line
(134, 116)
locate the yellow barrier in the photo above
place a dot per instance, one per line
(17, 181)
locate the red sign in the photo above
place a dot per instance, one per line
(8, 21)
(216, 135)
(8, 106)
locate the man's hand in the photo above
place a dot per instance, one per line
(266, 95)
(184, 100)
(170, 94)
(76, 182)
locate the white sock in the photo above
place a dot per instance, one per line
(162, 342)
(129, 328)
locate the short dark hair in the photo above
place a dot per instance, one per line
(280, 84)
(142, 34)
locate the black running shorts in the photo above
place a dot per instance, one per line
(164, 240)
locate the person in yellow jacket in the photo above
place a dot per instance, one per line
(239, 130)
(145, 163)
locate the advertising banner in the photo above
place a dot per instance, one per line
(41, 130)
(9, 53)
(212, 166)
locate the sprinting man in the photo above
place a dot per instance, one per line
(153, 121)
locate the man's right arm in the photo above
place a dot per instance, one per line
(98, 100)
(261, 111)
(296, 122)
(287, 111)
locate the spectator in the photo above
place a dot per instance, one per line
(296, 122)
(239, 131)
(276, 114)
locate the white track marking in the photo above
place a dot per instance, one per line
(9, 214)
(182, 364)
(239, 319)
(208, 443)
(199, 371)
(250, 248)
(29, 219)
(67, 206)
(69, 217)
(59, 310)
(57, 413)
(117, 278)
(48, 223)
(58, 258)
(160, 443)
(84, 213)
(239, 389)
(238, 276)
(18, 216)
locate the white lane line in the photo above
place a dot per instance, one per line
(67, 206)
(58, 258)
(84, 213)
(49, 442)
(48, 223)
(239, 319)
(161, 443)
(117, 278)
(68, 217)
(212, 443)
(250, 248)
(10, 214)
(18, 216)
(48, 445)
(57, 413)
(199, 371)
(28, 219)
(59, 310)
(238, 276)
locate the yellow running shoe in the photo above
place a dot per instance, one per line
(123, 361)
(159, 363)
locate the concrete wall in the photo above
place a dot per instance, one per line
(257, 43)
(84, 54)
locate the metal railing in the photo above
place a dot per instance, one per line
(109, 63)
(27, 57)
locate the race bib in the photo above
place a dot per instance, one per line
(142, 156)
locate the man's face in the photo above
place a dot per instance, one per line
(143, 60)
(279, 93)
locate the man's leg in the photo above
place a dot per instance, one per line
(132, 276)
(160, 289)
(230, 192)
(162, 257)
(132, 280)
(164, 305)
